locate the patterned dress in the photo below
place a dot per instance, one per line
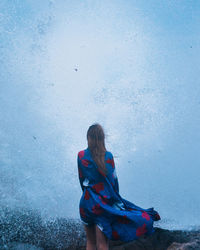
(101, 203)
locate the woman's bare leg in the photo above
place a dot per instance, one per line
(91, 237)
(101, 240)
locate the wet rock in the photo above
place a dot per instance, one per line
(26, 226)
(193, 245)
(21, 246)
(162, 239)
(25, 229)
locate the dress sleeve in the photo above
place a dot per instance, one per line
(80, 172)
(116, 183)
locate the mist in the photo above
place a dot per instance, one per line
(132, 66)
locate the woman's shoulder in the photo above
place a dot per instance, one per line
(109, 154)
(82, 153)
(86, 153)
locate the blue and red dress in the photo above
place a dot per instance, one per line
(101, 203)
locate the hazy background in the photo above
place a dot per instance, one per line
(133, 66)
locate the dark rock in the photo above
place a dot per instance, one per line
(193, 245)
(27, 228)
(163, 239)
(22, 246)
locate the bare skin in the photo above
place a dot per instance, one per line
(96, 240)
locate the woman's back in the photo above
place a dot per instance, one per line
(101, 203)
(94, 182)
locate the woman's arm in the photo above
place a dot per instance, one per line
(80, 172)
(116, 183)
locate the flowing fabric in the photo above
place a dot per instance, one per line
(101, 203)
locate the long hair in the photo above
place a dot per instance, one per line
(96, 144)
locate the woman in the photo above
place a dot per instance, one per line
(104, 212)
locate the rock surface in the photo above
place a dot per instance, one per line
(25, 229)
(163, 239)
(22, 246)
